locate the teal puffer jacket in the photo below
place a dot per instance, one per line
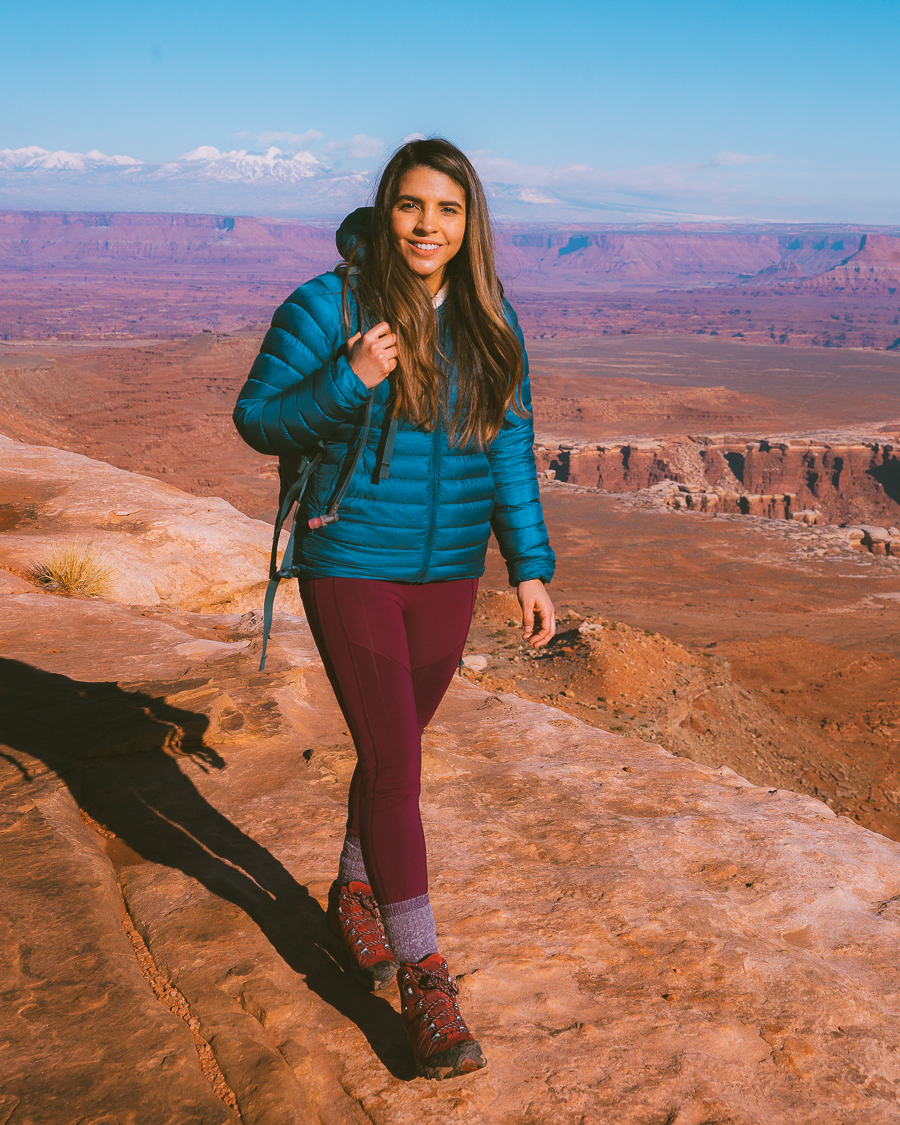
(430, 518)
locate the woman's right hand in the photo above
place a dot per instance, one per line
(373, 356)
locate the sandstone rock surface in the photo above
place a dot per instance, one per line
(164, 546)
(84, 1039)
(637, 938)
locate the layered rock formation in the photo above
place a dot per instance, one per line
(874, 268)
(636, 937)
(686, 255)
(681, 256)
(768, 477)
(28, 238)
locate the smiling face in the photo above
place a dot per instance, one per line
(428, 223)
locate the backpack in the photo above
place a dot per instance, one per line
(294, 474)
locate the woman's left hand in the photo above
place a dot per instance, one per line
(538, 614)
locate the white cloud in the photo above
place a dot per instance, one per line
(726, 176)
(291, 140)
(413, 137)
(735, 159)
(359, 147)
(277, 180)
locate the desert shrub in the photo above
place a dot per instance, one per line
(74, 568)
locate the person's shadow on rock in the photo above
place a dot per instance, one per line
(118, 753)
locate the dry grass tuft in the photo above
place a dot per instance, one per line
(74, 568)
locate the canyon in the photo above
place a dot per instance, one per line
(779, 479)
(662, 527)
(70, 274)
(719, 469)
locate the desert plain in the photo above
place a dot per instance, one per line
(670, 891)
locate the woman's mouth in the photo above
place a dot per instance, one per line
(425, 247)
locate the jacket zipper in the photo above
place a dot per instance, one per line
(433, 495)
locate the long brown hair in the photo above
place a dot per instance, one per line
(477, 340)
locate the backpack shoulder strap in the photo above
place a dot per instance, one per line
(290, 494)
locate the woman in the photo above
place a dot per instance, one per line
(407, 370)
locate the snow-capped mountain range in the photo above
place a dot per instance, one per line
(277, 183)
(34, 159)
(206, 160)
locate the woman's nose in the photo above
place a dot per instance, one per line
(427, 222)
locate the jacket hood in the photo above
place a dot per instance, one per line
(354, 232)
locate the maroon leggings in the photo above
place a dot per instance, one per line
(390, 650)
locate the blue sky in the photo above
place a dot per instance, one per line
(794, 101)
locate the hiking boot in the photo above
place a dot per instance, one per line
(441, 1042)
(352, 917)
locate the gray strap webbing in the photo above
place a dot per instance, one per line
(385, 467)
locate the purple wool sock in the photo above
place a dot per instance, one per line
(410, 929)
(351, 868)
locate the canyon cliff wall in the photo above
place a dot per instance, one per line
(39, 237)
(677, 257)
(843, 481)
(96, 273)
(874, 268)
(682, 256)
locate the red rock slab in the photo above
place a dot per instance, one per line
(559, 902)
(157, 544)
(634, 935)
(84, 1036)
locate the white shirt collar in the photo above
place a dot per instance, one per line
(438, 299)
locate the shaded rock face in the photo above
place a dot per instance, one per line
(636, 937)
(162, 546)
(843, 481)
(874, 268)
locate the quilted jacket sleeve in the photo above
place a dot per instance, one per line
(518, 520)
(298, 392)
